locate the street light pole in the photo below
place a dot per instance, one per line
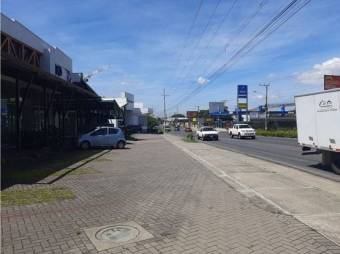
(266, 85)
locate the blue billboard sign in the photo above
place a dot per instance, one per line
(242, 91)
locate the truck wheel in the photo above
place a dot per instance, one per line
(335, 163)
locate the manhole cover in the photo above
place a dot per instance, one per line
(118, 233)
(113, 235)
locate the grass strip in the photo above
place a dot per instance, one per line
(35, 195)
(277, 133)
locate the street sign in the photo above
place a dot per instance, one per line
(242, 91)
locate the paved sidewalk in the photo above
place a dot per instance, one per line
(312, 199)
(185, 207)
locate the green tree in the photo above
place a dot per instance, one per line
(153, 121)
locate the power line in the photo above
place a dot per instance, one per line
(244, 24)
(215, 32)
(189, 33)
(186, 68)
(248, 45)
(183, 97)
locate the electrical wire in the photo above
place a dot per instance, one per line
(249, 46)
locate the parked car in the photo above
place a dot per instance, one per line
(242, 131)
(188, 129)
(167, 128)
(102, 136)
(207, 133)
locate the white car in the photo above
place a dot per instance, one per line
(242, 131)
(207, 133)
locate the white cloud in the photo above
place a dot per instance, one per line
(315, 75)
(202, 81)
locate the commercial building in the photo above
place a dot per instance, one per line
(42, 101)
(135, 113)
(281, 110)
(219, 113)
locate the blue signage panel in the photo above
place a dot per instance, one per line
(242, 91)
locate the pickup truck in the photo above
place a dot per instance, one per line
(242, 131)
(206, 133)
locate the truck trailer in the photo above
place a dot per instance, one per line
(318, 125)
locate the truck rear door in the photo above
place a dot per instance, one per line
(328, 119)
(305, 120)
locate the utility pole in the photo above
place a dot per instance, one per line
(266, 85)
(198, 117)
(164, 107)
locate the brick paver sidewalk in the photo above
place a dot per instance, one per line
(182, 204)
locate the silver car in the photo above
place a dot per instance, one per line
(102, 137)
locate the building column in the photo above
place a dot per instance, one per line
(17, 114)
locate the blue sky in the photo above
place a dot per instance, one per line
(144, 46)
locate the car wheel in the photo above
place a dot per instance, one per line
(254, 137)
(121, 145)
(216, 138)
(85, 145)
(239, 136)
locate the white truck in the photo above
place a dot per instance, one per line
(318, 125)
(242, 131)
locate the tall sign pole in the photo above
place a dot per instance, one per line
(242, 93)
(266, 85)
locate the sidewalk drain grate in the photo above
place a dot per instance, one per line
(110, 236)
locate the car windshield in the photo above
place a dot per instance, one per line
(208, 129)
(244, 126)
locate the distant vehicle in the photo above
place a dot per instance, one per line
(102, 136)
(207, 133)
(318, 125)
(188, 129)
(177, 128)
(242, 131)
(167, 128)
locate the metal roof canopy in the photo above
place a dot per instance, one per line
(13, 67)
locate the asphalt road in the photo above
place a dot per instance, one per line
(283, 151)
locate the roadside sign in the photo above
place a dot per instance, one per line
(242, 91)
(331, 82)
(242, 105)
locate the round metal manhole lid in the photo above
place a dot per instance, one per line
(118, 234)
